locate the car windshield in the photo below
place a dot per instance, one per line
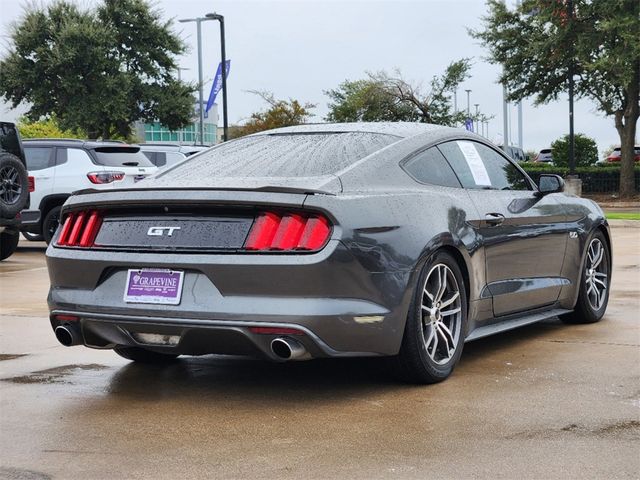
(121, 157)
(282, 155)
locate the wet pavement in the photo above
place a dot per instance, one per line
(545, 401)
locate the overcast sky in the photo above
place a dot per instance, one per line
(300, 48)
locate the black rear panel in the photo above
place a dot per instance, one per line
(174, 233)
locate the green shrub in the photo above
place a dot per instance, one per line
(595, 179)
(586, 151)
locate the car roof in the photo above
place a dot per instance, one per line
(73, 142)
(398, 129)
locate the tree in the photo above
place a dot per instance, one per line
(366, 101)
(385, 97)
(98, 71)
(538, 43)
(281, 113)
(46, 128)
(586, 151)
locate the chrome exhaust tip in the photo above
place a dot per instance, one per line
(67, 335)
(288, 349)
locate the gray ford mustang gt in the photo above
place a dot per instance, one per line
(339, 240)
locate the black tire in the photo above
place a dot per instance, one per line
(33, 237)
(144, 356)
(8, 243)
(415, 363)
(51, 223)
(14, 185)
(585, 311)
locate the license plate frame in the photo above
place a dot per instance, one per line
(158, 286)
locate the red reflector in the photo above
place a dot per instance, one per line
(32, 184)
(288, 233)
(66, 229)
(275, 331)
(74, 236)
(315, 235)
(91, 230)
(66, 318)
(263, 231)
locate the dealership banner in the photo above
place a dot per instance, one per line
(217, 85)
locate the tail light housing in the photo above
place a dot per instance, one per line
(80, 229)
(100, 178)
(32, 184)
(284, 232)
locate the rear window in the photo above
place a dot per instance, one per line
(121, 157)
(290, 155)
(546, 150)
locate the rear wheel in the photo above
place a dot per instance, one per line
(594, 283)
(434, 332)
(14, 185)
(8, 243)
(50, 224)
(144, 356)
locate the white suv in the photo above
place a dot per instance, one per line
(62, 166)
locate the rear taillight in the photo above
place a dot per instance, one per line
(105, 177)
(287, 232)
(32, 184)
(80, 229)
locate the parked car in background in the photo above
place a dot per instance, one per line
(14, 188)
(544, 156)
(167, 154)
(335, 240)
(616, 155)
(62, 166)
(516, 153)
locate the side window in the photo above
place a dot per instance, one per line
(503, 173)
(61, 156)
(78, 157)
(38, 158)
(431, 167)
(479, 166)
(161, 159)
(463, 162)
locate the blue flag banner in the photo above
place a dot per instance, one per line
(468, 124)
(217, 85)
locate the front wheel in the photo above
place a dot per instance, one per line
(434, 332)
(593, 296)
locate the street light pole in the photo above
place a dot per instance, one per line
(223, 54)
(476, 105)
(468, 103)
(199, 21)
(572, 159)
(200, 81)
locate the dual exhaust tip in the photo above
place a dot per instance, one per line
(282, 347)
(289, 349)
(68, 335)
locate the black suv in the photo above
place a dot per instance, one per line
(14, 187)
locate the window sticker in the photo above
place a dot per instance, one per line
(476, 165)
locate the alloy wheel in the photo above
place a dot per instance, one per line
(10, 188)
(596, 275)
(441, 314)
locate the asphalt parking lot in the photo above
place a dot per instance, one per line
(545, 401)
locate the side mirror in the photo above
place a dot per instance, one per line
(549, 183)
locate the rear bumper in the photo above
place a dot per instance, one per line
(30, 221)
(341, 308)
(196, 337)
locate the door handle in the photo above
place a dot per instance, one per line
(494, 219)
